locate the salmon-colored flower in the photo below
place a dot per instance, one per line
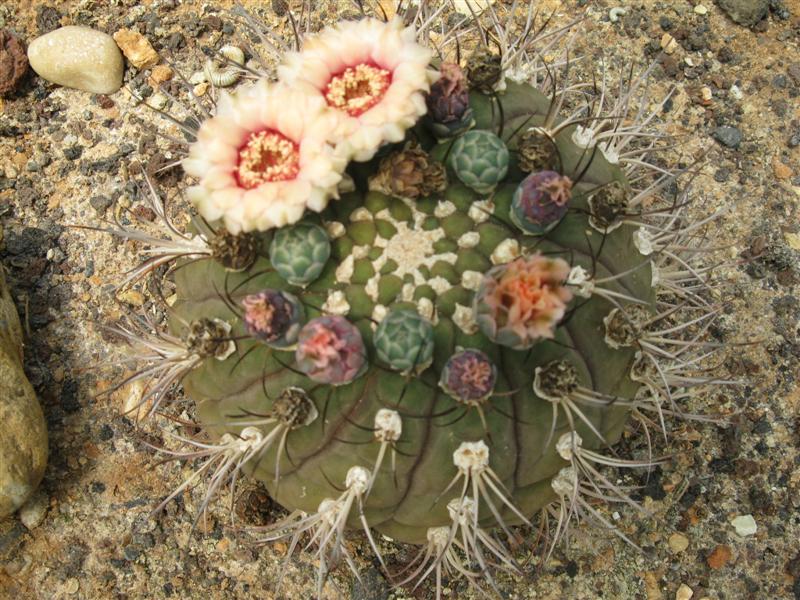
(373, 74)
(265, 157)
(521, 302)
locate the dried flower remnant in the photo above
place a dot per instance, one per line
(449, 112)
(409, 173)
(485, 71)
(536, 150)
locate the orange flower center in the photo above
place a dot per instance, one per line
(267, 156)
(525, 289)
(357, 89)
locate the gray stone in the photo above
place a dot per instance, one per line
(100, 204)
(745, 12)
(78, 57)
(728, 136)
(23, 433)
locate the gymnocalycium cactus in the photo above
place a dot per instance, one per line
(448, 270)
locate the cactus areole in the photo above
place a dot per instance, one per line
(442, 343)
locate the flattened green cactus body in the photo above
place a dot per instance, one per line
(404, 341)
(427, 256)
(480, 160)
(299, 252)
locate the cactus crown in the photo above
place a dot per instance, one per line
(449, 346)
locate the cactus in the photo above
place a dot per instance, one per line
(427, 318)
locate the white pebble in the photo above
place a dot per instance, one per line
(78, 57)
(745, 525)
(158, 101)
(197, 77)
(34, 510)
(684, 592)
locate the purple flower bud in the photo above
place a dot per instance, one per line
(469, 376)
(541, 201)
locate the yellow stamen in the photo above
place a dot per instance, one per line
(267, 156)
(357, 89)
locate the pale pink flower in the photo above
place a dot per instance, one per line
(265, 157)
(374, 74)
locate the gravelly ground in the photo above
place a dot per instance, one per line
(65, 157)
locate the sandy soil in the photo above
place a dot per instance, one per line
(66, 157)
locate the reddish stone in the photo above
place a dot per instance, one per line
(13, 62)
(719, 557)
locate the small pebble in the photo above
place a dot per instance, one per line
(73, 152)
(160, 74)
(200, 89)
(100, 204)
(780, 170)
(719, 557)
(793, 239)
(34, 510)
(78, 57)
(158, 101)
(197, 77)
(745, 12)
(684, 592)
(136, 48)
(700, 9)
(72, 586)
(668, 43)
(745, 525)
(13, 62)
(728, 136)
(615, 13)
(678, 542)
(131, 297)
